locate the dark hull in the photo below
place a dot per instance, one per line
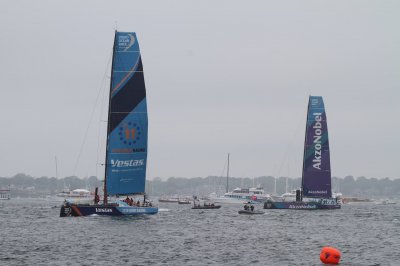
(184, 202)
(301, 206)
(109, 210)
(250, 212)
(207, 207)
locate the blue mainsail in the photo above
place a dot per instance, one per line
(126, 152)
(316, 178)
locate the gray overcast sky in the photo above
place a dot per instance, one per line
(221, 76)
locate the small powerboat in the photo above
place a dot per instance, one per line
(250, 209)
(206, 207)
(184, 202)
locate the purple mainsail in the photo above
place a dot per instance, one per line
(316, 177)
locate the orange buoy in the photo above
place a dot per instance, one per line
(330, 255)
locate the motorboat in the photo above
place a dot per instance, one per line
(242, 195)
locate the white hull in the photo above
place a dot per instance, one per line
(228, 200)
(5, 197)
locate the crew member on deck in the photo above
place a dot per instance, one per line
(96, 199)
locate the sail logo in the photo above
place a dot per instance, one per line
(317, 140)
(126, 41)
(318, 192)
(329, 202)
(129, 133)
(127, 163)
(128, 150)
(133, 210)
(103, 210)
(303, 206)
(314, 101)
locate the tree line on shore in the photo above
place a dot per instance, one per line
(22, 184)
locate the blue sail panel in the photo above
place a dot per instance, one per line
(316, 178)
(128, 122)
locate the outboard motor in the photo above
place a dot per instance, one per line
(298, 195)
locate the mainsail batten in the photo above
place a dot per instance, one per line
(316, 177)
(128, 123)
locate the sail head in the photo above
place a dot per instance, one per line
(316, 176)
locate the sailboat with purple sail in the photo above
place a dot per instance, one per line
(126, 149)
(316, 188)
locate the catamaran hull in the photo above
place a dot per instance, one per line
(86, 210)
(301, 206)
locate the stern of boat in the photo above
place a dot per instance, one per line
(65, 210)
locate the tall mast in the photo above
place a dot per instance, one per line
(108, 122)
(286, 188)
(304, 153)
(55, 159)
(227, 177)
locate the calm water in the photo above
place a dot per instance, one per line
(32, 233)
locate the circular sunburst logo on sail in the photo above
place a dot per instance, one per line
(129, 133)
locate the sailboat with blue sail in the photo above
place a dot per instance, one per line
(316, 188)
(127, 130)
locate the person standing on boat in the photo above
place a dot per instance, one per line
(96, 199)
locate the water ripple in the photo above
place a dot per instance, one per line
(33, 234)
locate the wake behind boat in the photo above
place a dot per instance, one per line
(316, 191)
(127, 126)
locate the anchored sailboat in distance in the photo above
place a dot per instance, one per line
(316, 192)
(126, 149)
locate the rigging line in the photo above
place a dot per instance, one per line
(103, 108)
(91, 115)
(221, 177)
(100, 141)
(290, 144)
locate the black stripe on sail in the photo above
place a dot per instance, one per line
(127, 98)
(140, 65)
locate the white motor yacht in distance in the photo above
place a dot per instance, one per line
(241, 195)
